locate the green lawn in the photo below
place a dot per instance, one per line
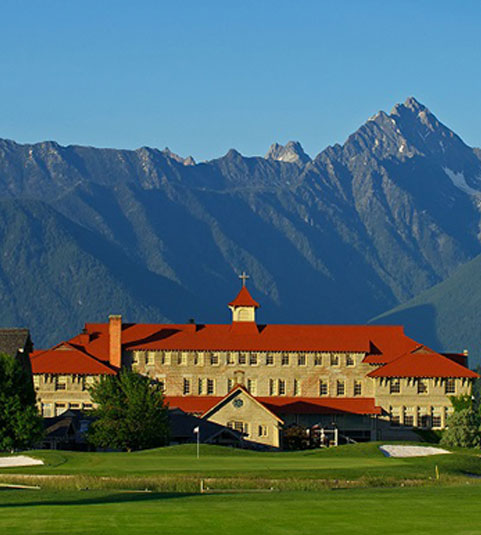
(434, 510)
(349, 462)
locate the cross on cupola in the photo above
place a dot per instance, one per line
(244, 278)
(244, 307)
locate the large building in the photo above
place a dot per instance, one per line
(364, 382)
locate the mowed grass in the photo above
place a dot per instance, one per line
(432, 510)
(346, 462)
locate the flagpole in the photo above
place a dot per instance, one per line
(196, 431)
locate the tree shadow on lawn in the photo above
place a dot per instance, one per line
(120, 497)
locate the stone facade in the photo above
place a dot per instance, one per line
(378, 384)
(57, 394)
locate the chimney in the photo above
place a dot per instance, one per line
(84, 337)
(115, 340)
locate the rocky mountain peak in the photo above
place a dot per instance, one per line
(292, 152)
(184, 161)
(410, 106)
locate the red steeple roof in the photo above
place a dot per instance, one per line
(244, 299)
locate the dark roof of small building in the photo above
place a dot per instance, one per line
(65, 424)
(182, 425)
(11, 340)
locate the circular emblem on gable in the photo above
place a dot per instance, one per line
(237, 403)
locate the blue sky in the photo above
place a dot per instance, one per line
(205, 76)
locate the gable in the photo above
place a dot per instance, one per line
(423, 362)
(239, 404)
(67, 360)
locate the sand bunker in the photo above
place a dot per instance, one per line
(411, 451)
(18, 460)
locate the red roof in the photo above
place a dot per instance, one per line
(340, 338)
(89, 352)
(423, 362)
(244, 299)
(67, 359)
(295, 405)
(280, 405)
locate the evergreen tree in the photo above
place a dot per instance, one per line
(20, 423)
(130, 413)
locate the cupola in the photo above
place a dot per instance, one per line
(243, 307)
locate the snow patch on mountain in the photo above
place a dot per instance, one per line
(459, 180)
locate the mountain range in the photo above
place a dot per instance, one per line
(342, 237)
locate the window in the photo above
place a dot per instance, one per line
(74, 406)
(262, 430)
(200, 386)
(60, 383)
(340, 388)
(230, 359)
(349, 361)
(242, 358)
(323, 388)
(408, 420)
(301, 360)
(83, 384)
(318, 360)
(422, 386)
(230, 384)
(186, 387)
(394, 386)
(150, 359)
(285, 360)
(162, 358)
(271, 387)
(297, 387)
(181, 360)
(436, 421)
(210, 387)
(251, 386)
(424, 420)
(357, 388)
(87, 407)
(450, 386)
(241, 427)
(282, 387)
(214, 359)
(334, 360)
(253, 359)
(269, 360)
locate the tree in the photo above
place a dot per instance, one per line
(462, 402)
(295, 437)
(20, 423)
(462, 429)
(130, 413)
